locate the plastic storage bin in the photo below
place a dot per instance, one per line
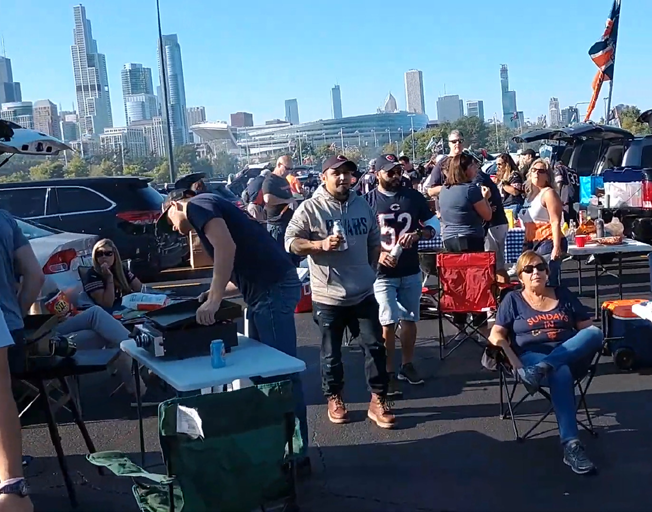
(623, 187)
(629, 338)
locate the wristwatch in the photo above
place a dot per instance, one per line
(19, 488)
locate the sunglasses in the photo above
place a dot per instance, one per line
(108, 254)
(541, 171)
(456, 141)
(529, 269)
(392, 173)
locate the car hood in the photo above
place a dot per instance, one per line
(22, 141)
(571, 133)
(46, 246)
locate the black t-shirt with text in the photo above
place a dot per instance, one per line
(403, 212)
(260, 262)
(279, 187)
(495, 200)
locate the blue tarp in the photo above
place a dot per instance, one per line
(588, 185)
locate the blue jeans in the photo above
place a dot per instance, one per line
(271, 321)
(568, 361)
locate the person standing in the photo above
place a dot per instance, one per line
(525, 160)
(401, 213)
(411, 176)
(369, 181)
(256, 203)
(510, 183)
(244, 257)
(18, 265)
(278, 197)
(339, 233)
(438, 175)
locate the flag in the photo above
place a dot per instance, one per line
(603, 54)
(431, 142)
(515, 116)
(439, 147)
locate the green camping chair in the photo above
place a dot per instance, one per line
(241, 461)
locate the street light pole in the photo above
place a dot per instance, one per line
(164, 85)
(342, 138)
(413, 139)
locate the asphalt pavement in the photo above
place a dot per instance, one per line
(450, 452)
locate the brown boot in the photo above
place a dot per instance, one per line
(337, 412)
(380, 411)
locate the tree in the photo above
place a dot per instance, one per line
(77, 168)
(224, 163)
(161, 173)
(16, 177)
(185, 154)
(47, 170)
(475, 131)
(184, 168)
(324, 152)
(106, 168)
(628, 116)
(135, 170)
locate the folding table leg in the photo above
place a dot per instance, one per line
(289, 432)
(78, 419)
(620, 275)
(139, 407)
(56, 441)
(596, 291)
(579, 276)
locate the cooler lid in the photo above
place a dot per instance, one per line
(622, 308)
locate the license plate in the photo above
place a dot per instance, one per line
(86, 261)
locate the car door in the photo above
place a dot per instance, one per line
(80, 209)
(25, 202)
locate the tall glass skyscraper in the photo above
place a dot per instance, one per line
(292, 111)
(176, 89)
(414, 97)
(138, 93)
(336, 100)
(91, 79)
(510, 112)
(9, 90)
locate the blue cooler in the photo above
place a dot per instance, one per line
(628, 337)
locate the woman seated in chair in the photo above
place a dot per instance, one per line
(553, 342)
(109, 279)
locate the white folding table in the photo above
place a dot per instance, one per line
(249, 359)
(628, 246)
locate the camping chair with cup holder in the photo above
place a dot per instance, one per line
(495, 359)
(221, 451)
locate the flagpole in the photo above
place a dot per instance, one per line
(613, 72)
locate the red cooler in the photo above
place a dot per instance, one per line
(305, 302)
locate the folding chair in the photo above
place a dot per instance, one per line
(509, 382)
(429, 304)
(467, 284)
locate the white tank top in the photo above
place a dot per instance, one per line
(536, 211)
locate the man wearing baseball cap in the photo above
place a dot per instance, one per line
(401, 212)
(339, 233)
(247, 257)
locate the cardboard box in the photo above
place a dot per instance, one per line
(198, 256)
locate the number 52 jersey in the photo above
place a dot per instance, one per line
(399, 213)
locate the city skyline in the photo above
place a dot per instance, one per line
(135, 41)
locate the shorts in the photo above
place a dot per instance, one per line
(399, 298)
(495, 242)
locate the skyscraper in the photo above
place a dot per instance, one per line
(414, 97)
(194, 115)
(475, 109)
(69, 126)
(569, 116)
(554, 114)
(449, 108)
(138, 93)
(292, 111)
(91, 79)
(242, 120)
(176, 89)
(336, 101)
(9, 90)
(510, 112)
(46, 118)
(390, 105)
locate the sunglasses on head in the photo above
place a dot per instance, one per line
(104, 253)
(529, 269)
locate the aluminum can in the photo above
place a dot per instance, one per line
(218, 354)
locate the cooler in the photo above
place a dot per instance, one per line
(623, 187)
(305, 302)
(629, 338)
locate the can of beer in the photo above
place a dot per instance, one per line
(338, 230)
(217, 354)
(396, 251)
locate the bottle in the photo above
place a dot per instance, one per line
(570, 235)
(339, 231)
(396, 251)
(599, 225)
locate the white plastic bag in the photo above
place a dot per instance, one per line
(145, 301)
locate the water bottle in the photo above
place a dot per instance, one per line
(338, 230)
(572, 229)
(396, 251)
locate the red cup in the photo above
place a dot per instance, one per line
(580, 240)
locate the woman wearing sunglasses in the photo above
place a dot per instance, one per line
(549, 338)
(542, 216)
(109, 279)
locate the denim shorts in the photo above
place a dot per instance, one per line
(398, 298)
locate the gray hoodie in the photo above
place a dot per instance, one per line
(338, 278)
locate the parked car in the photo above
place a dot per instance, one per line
(124, 209)
(60, 255)
(221, 189)
(239, 181)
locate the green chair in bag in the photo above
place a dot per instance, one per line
(236, 458)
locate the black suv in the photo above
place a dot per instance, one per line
(124, 209)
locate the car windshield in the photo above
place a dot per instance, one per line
(31, 231)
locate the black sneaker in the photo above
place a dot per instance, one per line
(575, 457)
(531, 377)
(409, 374)
(354, 345)
(393, 387)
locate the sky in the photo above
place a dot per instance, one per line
(253, 55)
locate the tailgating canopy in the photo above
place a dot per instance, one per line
(577, 131)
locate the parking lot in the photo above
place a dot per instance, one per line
(451, 451)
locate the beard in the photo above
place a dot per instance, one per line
(391, 185)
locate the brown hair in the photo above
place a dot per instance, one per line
(457, 167)
(529, 258)
(505, 157)
(117, 269)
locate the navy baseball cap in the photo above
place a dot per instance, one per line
(181, 190)
(387, 162)
(338, 161)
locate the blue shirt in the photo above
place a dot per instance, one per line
(11, 239)
(540, 331)
(458, 216)
(260, 262)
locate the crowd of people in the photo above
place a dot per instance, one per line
(359, 235)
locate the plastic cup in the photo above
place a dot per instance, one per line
(580, 240)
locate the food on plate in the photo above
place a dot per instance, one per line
(609, 240)
(586, 228)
